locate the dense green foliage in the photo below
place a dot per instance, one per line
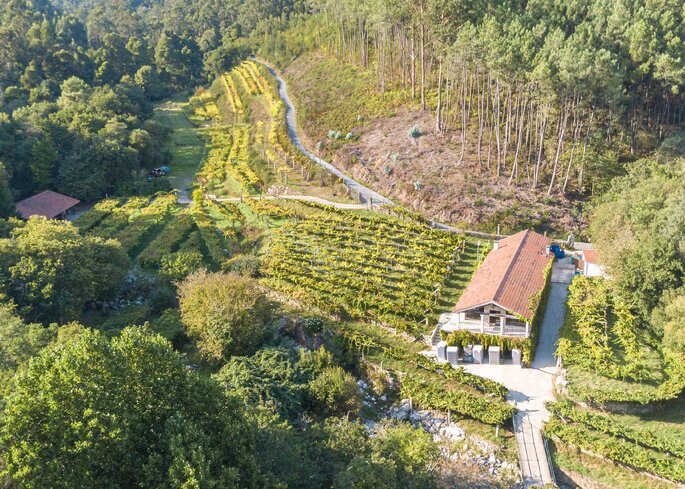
(225, 313)
(76, 85)
(100, 413)
(20, 341)
(638, 227)
(50, 271)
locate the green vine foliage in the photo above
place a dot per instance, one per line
(602, 339)
(458, 399)
(567, 411)
(460, 391)
(463, 338)
(618, 450)
(387, 269)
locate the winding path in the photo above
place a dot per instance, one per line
(366, 195)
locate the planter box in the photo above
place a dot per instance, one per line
(478, 354)
(453, 355)
(494, 355)
(516, 356)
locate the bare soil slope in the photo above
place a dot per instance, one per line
(427, 173)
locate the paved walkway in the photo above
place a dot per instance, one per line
(365, 193)
(530, 388)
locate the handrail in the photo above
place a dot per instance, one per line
(549, 460)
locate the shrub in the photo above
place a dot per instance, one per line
(247, 265)
(161, 298)
(179, 265)
(334, 392)
(168, 325)
(414, 132)
(226, 314)
(314, 325)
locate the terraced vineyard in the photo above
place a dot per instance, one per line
(155, 231)
(601, 434)
(364, 265)
(243, 121)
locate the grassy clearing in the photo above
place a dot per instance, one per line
(185, 145)
(335, 96)
(461, 274)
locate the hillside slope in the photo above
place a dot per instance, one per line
(427, 173)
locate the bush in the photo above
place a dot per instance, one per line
(226, 314)
(133, 315)
(168, 325)
(335, 392)
(314, 325)
(162, 297)
(179, 265)
(313, 362)
(247, 265)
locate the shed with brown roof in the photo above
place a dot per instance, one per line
(48, 204)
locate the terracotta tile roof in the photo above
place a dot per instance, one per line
(48, 203)
(510, 275)
(590, 256)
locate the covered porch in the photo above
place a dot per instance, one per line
(488, 318)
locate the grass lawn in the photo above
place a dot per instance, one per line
(185, 144)
(461, 275)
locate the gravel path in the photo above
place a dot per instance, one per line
(365, 194)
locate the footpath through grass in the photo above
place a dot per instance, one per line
(186, 147)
